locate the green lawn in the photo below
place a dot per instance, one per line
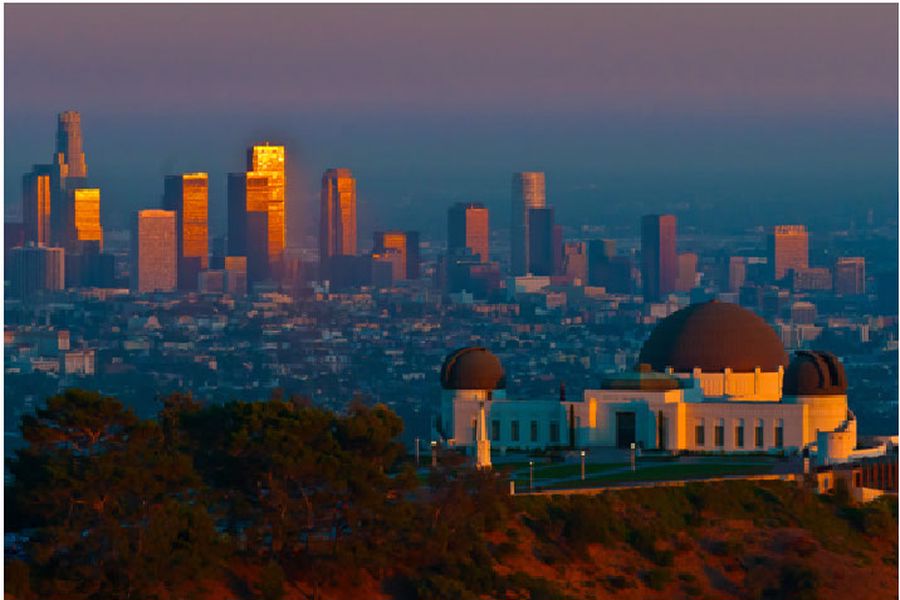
(599, 474)
(669, 472)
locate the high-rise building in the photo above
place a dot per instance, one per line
(248, 222)
(35, 269)
(468, 229)
(528, 192)
(188, 196)
(607, 270)
(69, 150)
(406, 246)
(659, 260)
(36, 204)
(737, 273)
(788, 248)
(575, 263)
(337, 225)
(154, 251)
(83, 220)
(269, 160)
(543, 256)
(235, 275)
(811, 279)
(687, 272)
(850, 275)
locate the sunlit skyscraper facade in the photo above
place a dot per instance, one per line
(154, 251)
(269, 160)
(337, 227)
(788, 249)
(84, 228)
(528, 191)
(36, 204)
(188, 195)
(659, 260)
(468, 227)
(69, 149)
(249, 196)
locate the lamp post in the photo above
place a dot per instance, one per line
(433, 454)
(417, 452)
(582, 465)
(531, 475)
(633, 446)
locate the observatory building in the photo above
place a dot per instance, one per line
(711, 377)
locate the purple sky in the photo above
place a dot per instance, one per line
(344, 79)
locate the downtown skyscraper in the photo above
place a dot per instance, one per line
(36, 203)
(528, 192)
(337, 226)
(659, 259)
(188, 195)
(154, 250)
(256, 214)
(69, 148)
(468, 229)
(787, 249)
(53, 213)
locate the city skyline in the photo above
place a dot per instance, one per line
(745, 124)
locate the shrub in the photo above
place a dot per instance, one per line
(658, 578)
(271, 582)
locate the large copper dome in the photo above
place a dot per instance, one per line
(472, 368)
(814, 373)
(713, 336)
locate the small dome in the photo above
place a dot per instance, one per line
(713, 336)
(814, 373)
(472, 368)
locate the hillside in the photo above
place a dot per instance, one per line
(277, 499)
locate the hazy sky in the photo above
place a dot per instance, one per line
(626, 107)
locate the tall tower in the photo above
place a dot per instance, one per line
(788, 248)
(659, 260)
(36, 204)
(269, 160)
(154, 251)
(83, 217)
(528, 191)
(402, 246)
(468, 227)
(248, 221)
(542, 242)
(337, 228)
(69, 151)
(188, 195)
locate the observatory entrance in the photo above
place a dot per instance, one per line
(625, 429)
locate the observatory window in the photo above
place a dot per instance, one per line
(554, 432)
(720, 435)
(495, 430)
(700, 434)
(534, 431)
(514, 430)
(779, 433)
(759, 434)
(739, 434)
